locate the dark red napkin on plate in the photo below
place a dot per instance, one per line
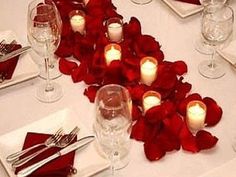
(191, 1)
(59, 167)
(7, 68)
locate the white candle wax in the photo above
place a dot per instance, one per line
(115, 32)
(112, 54)
(150, 101)
(196, 117)
(78, 23)
(148, 72)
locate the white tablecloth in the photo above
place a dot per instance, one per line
(18, 105)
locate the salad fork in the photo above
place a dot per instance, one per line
(61, 142)
(13, 157)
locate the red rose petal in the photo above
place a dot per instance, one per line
(138, 130)
(153, 150)
(180, 67)
(188, 141)
(90, 92)
(132, 29)
(79, 73)
(182, 89)
(136, 112)
(174, 124)
(154, 115)
(214, 112)
(137, 92)
(66, 67)
(205, 140)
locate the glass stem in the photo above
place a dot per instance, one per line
(212, 64)
(49, 86)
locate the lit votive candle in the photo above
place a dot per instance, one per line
(77, 21)
(115, 29)
(112, 52)
(196, 114)
(151, 99)
(148, 67)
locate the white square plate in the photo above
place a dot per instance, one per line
(87, 162)
(183, 9)
(26, 68)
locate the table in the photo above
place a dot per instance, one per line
(19, 107)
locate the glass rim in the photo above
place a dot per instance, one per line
(221, 6)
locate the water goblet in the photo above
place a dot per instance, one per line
(200, 45)
(44, 34)
(113, 124)
(53, 59)
(216, 28)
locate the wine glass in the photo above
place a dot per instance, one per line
(113, 124)
(216, 28)
(53, 60)
(200, 45)
(141, 2)
(44, 34)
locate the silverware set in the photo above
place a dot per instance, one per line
(6, 53)
(58, 139)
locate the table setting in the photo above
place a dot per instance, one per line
(130, 82)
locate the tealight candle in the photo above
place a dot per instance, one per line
(148, 67)
(151, 99)
(77, 21)
(112, 52)
(115, 29)
(196, 114)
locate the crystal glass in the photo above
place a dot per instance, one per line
(141, 2)
(44, 33)
(200, 45)
(113, 124)
(216, 28)
(53, 60)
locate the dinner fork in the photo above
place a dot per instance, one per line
(61, 143)
(13, 157)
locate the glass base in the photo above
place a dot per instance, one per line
(203, 48)
(49, 96)
(212, 72)
(141, 2)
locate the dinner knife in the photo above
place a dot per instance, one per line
(14, 53)
(77, 145)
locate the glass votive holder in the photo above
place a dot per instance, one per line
(115, 29)
(77, 21)
(150, 99)
(148, 70)
(196, 115)
(112, 52)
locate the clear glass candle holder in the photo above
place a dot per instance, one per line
(150, 99)
(115, 29)
(77, 21)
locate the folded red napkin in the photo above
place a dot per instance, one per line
(59, 167)
(7, 68)
(191, 1)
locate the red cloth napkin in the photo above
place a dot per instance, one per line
(7, 68)
(59, 167)
(191, 1)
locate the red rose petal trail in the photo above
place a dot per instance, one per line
(162, 128)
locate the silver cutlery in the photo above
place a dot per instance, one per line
(61, 142)
(79, 144)
(14, 53)
(13, 157)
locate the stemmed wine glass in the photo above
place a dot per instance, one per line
(141, 2)
(44, 33)
(200, 45)
(216, 28)
(113, 124)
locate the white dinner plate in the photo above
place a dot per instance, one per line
(25, 69)
(87, 162)
(183, 9)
